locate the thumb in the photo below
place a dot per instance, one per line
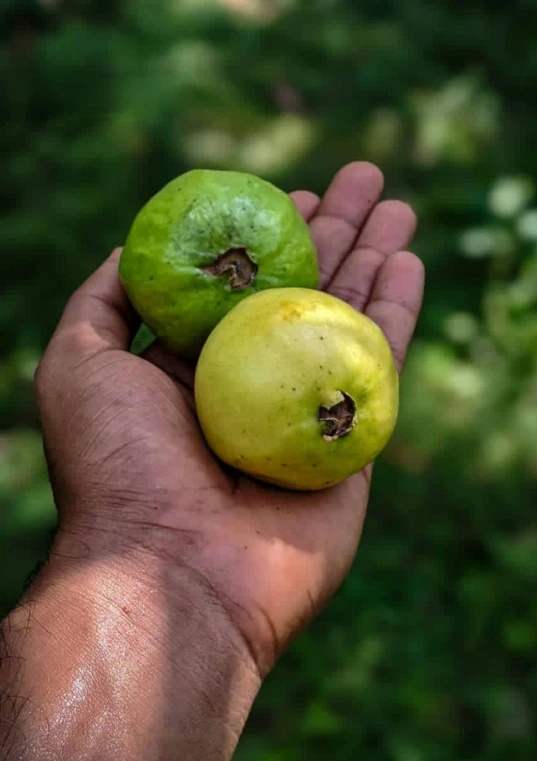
(98, 316)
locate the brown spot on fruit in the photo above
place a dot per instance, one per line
(291, 311)
(236, 265)
(338, 420)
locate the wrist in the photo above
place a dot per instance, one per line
(179, 545)
(132, 654)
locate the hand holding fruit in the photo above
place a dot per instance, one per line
(130, 466)
(174, 581)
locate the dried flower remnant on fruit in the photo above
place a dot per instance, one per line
(236, 265)
(338, 420)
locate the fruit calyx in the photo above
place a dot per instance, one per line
(338, 420)
(239, 269)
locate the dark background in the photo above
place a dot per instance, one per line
(428, 652)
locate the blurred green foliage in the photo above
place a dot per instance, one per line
(428, 653)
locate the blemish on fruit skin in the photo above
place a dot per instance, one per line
(290, 312)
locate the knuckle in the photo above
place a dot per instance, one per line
(75, 341)
(350, 293)
(334, 229)
(57, 361)
(76, 300)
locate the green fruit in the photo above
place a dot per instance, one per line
(205, 242)
(296, 388)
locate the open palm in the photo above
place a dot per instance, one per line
(126, 454)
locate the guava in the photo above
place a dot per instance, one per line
(296, 388)
(205, 242)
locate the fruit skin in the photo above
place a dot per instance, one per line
(185, 227)
(268, 368)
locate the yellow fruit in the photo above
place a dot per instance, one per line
(296, 388)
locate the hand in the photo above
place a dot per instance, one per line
(139, 492)
(127, 455)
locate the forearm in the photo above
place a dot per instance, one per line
(102, 661)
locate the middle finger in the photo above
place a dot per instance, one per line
(354, 192)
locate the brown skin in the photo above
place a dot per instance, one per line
(173, 585)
